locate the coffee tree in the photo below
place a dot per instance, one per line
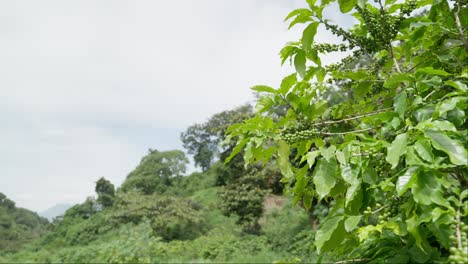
(389, 153)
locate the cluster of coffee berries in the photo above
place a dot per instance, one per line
(381, 166)
(382, 26)
(337, 66)
(459, 254)
(408, 7)
(299, 135)
(368, 210)
(346, 36)
(390, 210)
(325, 47)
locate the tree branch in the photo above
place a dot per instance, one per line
(459, 26)
(352, 261)
(344, 133)
(459, 239)
(351, 118)
(394, 59)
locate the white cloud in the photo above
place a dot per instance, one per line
(87, 86)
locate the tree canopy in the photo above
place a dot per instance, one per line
(202, 140)
(155, 171)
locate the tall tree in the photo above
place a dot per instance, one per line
(202, 140)
(105, 191)
(155, 171)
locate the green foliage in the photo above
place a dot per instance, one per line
(201, 140)
(156, 172)
(389, 152)
(244, 198)
(18, 226)
(171, 218)
(105, 191)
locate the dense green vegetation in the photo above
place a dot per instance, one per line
(18, 226)
(380, 136)
(361, 161)
(185, 223)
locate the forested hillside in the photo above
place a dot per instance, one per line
(226, 213)
(18, 226)
(359, 161)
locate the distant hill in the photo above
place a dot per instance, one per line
(54, 211)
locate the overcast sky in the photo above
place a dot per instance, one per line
(86, 86)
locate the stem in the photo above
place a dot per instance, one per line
(381, 208)
(459, 26)
(344, 133)
(459, 240)
(394, 59)
(352, 260)
(351, 118)
(290, 106)
(429, 95)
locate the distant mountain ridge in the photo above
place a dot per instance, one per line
(54, 211)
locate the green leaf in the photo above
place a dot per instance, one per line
(283, 159)
(413, 228)
(264, 104)
(240, 145)
(351, 222)
(370, 175)
(308, 35)
(456, 117)
(424, 150)
(399, 103)
(301, 19)
(361, 89)
(454, 148)
(308, 198)
(329, 233)
(432, 71)
(346, 5)
(449, 104)
(457, 85)
(436, 125)
(328, 153)
(300, 63)
(263, 88)
(311, 3)
(287, 83)
(405, 180)
(396, 79)
(311, 156)
(396, 149)
(299, 11)
(423, 113)
(352, 191)
(324, 176)
(426, 190)
(341, 157)
(365, 231)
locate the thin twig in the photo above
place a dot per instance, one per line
(394, 59)
(351, 118)
(344, 133)
(290, 106)
(459, 26)
(381, 208)
(429, 95)
(352, 261)
(459, 240)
